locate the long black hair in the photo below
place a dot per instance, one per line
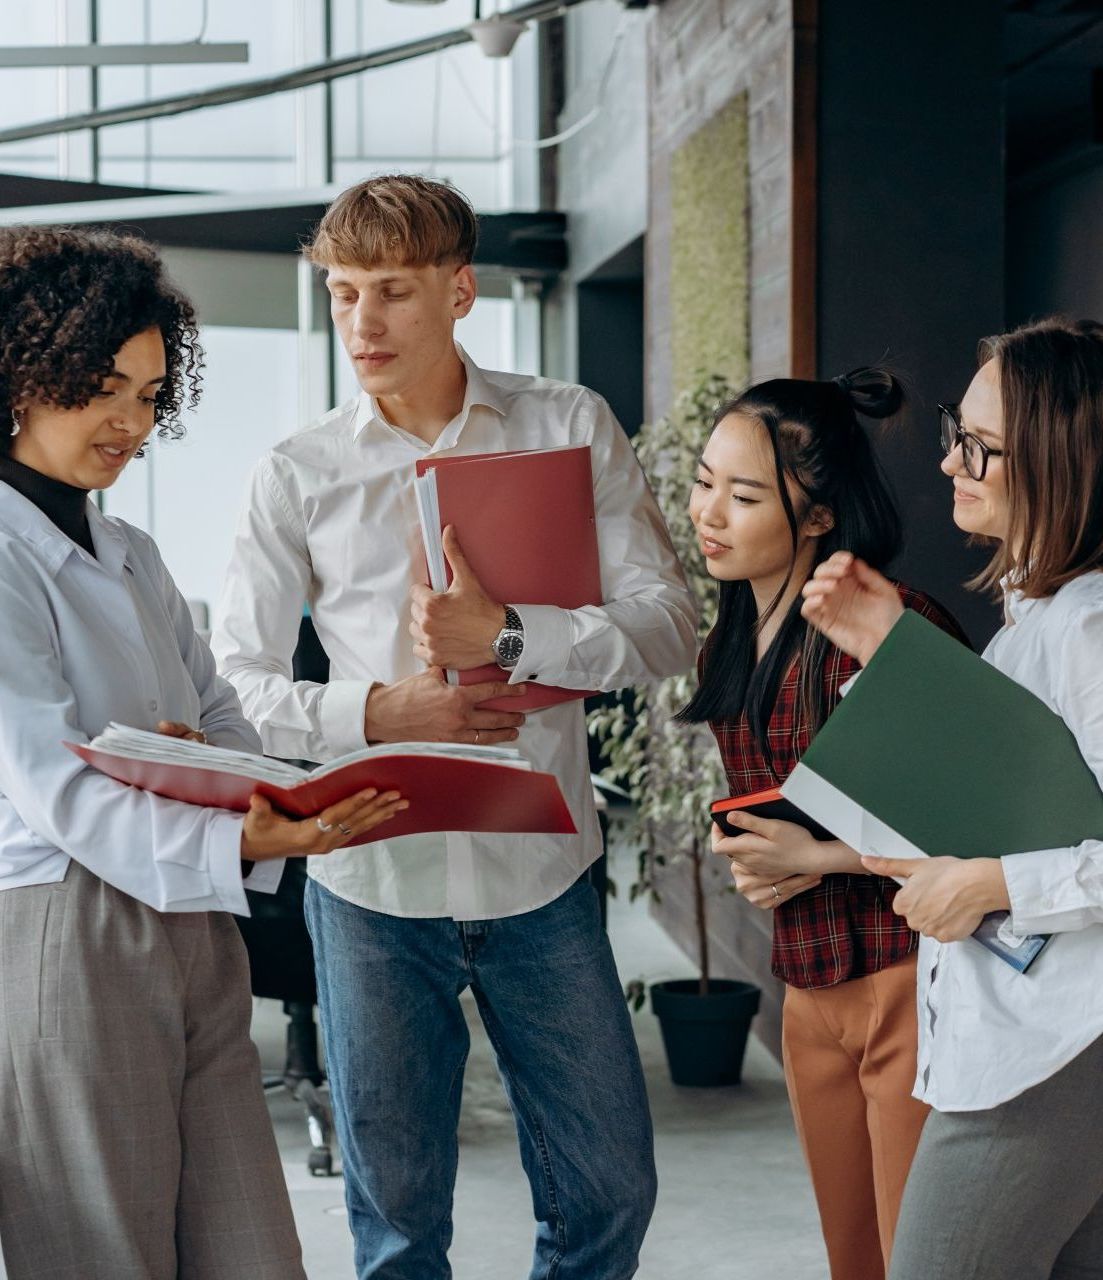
(817, 441)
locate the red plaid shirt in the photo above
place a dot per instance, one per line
(844, 927)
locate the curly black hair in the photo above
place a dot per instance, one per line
(69, 299)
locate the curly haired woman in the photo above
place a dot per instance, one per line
(136, 1143)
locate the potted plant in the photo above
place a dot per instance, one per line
(672, 771)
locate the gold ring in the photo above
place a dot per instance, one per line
(476, 737)
(777, 896)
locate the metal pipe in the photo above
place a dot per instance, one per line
(302, 78)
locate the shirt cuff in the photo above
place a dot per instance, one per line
(342, 715)
(548, 644)
(224, 862)
(1043, 891)
(265, 876)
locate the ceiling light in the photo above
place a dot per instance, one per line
(496, 36)
(114, 55)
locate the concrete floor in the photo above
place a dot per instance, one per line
(734, 1199)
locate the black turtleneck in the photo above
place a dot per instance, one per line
(64, 504)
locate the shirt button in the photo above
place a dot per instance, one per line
(153, 706)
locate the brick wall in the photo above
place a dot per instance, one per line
(702, 52)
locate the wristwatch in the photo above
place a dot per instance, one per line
(509, 643)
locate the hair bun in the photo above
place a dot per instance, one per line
(876, 393)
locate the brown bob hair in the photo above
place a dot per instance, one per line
(398, 219)
(1051, 386)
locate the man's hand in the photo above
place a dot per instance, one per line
(945, 898)
(455, 628)
(425, 708)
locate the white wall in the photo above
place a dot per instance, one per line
(451, 115)
(187, 493)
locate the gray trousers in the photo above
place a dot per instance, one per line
(1014, 1193)
(134, 1139)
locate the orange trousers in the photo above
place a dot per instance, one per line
(849, 1054)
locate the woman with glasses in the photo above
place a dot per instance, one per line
(1008, 1177)
(134, 1138)
(787, 477)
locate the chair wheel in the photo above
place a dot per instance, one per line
(320, 1164)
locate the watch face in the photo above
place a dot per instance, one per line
(510, 647)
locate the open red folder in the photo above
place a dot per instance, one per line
(525, 521)
(446, 791)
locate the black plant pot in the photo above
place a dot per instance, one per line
(705, 1035)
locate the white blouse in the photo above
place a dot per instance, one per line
(986, 1032)
(86, 640)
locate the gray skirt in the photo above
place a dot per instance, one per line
(134, 1139)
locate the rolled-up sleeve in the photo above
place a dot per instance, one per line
(1058, 890)
(645, 629)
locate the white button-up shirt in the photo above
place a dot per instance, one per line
(87, 640)
(331, 519)
(986, 1032)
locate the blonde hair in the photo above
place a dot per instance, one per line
(398, 219)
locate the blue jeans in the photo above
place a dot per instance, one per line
(396, 1045)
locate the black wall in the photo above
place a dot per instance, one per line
(911, 237)
(610, 305)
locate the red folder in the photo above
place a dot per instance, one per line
(526, 524)
(525, 521)
(444, 795)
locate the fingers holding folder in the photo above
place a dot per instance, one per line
(455, 628)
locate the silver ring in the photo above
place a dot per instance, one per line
(323, 827)
(476, 737)
(345, 831)
(777, 896)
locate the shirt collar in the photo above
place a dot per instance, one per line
(479, 391)
(20, 516)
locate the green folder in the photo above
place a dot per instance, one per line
(948, 753)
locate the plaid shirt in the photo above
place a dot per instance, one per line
(844, 927)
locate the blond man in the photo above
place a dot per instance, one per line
(402, 928)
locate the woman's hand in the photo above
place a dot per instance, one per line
(174, 729)
(774, 849)
(853, 605)
(767, 894)
(268, 834)
(769, 847)
(945, 898)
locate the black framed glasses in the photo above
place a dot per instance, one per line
(974, 452)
